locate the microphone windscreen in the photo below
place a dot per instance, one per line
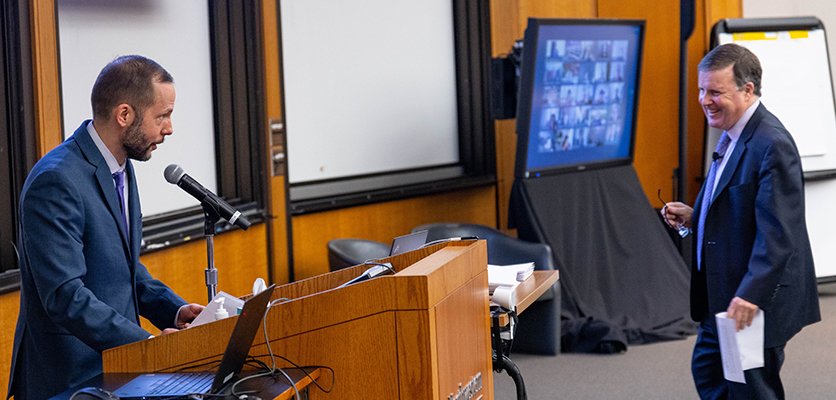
(173, 173)
(715, 157)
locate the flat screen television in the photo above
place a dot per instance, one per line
(578, 95)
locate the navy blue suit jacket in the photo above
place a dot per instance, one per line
(756, 245)
(82, 286)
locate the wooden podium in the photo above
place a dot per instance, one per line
(423, 333)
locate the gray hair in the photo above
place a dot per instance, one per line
(746, 66)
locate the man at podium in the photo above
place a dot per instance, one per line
(82, 285)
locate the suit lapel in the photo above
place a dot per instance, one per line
(739, 150)
(103, 177)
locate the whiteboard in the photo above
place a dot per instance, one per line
(175, 34)
(369, 86)
(797, 88)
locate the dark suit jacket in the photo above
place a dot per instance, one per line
(82, 286)
(756, 245)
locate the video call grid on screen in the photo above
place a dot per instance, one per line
(583, 95)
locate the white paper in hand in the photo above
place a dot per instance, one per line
(740, 351)
(750, 343)
(729, 353)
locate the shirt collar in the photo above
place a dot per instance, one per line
(737, 129)
(112, 164)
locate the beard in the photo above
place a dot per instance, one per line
(135, 142)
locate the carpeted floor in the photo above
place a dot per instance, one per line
(662, 370)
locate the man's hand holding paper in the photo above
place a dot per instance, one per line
(740, 348)
(742, 312)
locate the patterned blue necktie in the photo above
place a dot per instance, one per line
(119, 178)
(709, 192)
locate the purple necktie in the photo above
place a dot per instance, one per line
(119, 178)
(722, 146)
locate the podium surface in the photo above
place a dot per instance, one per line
(423, 333)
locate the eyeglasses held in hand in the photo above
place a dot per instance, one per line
(683, 231)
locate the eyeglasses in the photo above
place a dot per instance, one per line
(683, 231)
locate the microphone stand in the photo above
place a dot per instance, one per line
(210, 218)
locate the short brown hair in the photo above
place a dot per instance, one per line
(746, 66)
(130, 80)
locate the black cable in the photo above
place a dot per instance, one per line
(270, 373)
(504, 363)
(259, 363)
(501, 349)
(515, 323)
(272, 356)
(333, 374)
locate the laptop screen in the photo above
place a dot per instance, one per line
(242, 337)
(403, 244)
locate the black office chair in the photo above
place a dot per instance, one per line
(538, 331)
(343, 253)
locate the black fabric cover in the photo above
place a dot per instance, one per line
(623, 280)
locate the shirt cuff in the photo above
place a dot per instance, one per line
(177, 316)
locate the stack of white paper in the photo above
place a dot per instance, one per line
(509, 275)
(523, 270)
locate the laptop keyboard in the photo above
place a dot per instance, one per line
(187, 382)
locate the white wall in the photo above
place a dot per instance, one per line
(821, 214)
(175, 34)
(370, 86)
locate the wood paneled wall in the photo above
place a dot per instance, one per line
(382, 222)
(9, 307)
(657, 125)
(715, 10)
(277, 225)
(46, 75)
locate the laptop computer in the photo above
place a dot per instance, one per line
(166, 385)
(403, 244)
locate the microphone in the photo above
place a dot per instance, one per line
(174, 174)
(373, 272)
(716, 156)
